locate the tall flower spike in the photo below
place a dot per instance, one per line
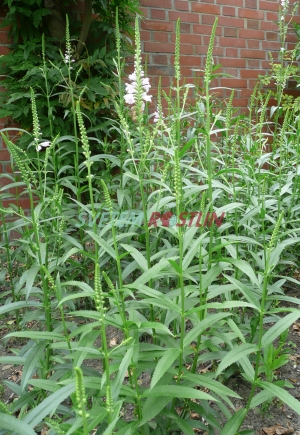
(36, 125)
(137, 90)
(83, 136)
(80, 391)
(99, 298)
(177, 51)
(209, 56)
(275, 231)
(107, 197)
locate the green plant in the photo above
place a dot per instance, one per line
(165, 298)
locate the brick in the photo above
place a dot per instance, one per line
(228, 11)
(253, 43)
(186, 49)
(237, 3)
(249, 74)
(188, 39)
(270, 45)
(205, 30)
(145, 35)
(233, 63)
(158, 14)
(160, 59)
(272, 16)
(4, 156)
(253, 54)
(159, 70)
(251, 4)
(144, 12)
(157, 26)
(24, 203)
(156, 47)
(208, 19)
(231, 52)
(253, 24)
(268, 5)
(189, 61)
(160, 37)
(3, 50)
(165, 4)
(230, 32)
(4, 39)
(251, 34)
(187, 17)
(233, 83)
(268, 25)
(185, 28)
(232, 42)
(206, 9)
(248, 13)
(231, 22)
(182, 5)
(202, 50)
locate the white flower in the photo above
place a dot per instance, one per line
(129, 98)
(147, 97)
(132, 89)
(156, 117)
(43, 144)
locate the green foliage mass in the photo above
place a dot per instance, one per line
(92, 77)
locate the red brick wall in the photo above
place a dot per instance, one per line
(246, 33)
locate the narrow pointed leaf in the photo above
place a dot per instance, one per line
(31, 362)
(19, 426)
(202, 326)
(282, 394)
(48, 405)
(234, 423)
(235, 355)
(279, 327)
(163, 365)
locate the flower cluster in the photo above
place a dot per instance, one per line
(43, 144)
(284, 5)
(132, 89)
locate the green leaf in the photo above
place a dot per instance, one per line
(37, 335)
(19, 426)
(103, 244)
(12, 359)
(190, 255)
(235, 355)
(31, 363)
(163, 365)
(186, 147)
(175, 266)
(48, 405)
(45, 384)
(18, 305)
(177, 391)
(211, 384)
(119, 378)
(151, 273)
(282, 394)
(202, 326)
(139, 258)
(234, 423)
(248, 293)
(279, 327)
(30, 278)
(261, 397)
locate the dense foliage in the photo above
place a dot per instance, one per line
(138, 303)
(92, 77)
